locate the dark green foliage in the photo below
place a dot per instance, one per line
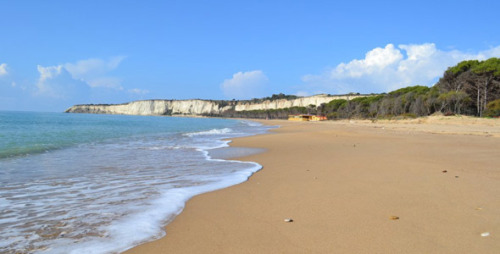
(336, 104)
(407, 102)
(280, 96)
(410, 89)
(274, 97)
(480, 80)
(269, 114)
(493, 109)
(453, 102)
(332, 108)
(463, 67)
(490, 66)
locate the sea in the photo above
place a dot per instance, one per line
(84, 183)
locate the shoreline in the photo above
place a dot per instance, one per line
(341, 182)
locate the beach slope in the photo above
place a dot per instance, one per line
(353, 187)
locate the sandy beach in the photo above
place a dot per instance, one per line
(429, 185)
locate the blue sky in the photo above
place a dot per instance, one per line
(54, 54)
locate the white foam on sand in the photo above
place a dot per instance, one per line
(112, 197)
(148, 225)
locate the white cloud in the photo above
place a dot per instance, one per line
(108, 82)
(244, 85)
(49, 72)
(92, 66)
(389, 68)
(138, 91)
(3, 69)
(66, 80)
(95, 71)
(376, 59)
(56, 82)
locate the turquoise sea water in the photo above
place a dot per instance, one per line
(23, 133)
(78, 183)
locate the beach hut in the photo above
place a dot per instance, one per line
(298, 118)
(318, 118)
(306, 117)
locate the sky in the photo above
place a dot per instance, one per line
(54, 54)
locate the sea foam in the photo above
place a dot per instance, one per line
(210, 132)
(106, 197)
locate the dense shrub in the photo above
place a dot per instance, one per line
(493, 109)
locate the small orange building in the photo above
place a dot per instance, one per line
(306, 117)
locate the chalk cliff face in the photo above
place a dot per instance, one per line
(200, 107)
(154, 107)
(315, 100)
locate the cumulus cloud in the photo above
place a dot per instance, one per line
(3, 69)
(56, 82)
(49, 72)
(95, 71)
(389, 68)
(244, 85)
(75, 79)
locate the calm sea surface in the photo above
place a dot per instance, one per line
(78, 183)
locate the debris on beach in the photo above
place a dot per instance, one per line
(288, 220)
(394, 217)
(485, 234)
(444, 171)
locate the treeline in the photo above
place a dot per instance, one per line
(274, 97)
(270, 113)
(469, 88)
(475, 82)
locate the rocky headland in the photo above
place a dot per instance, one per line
(198, 107)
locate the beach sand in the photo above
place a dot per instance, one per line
(341, 182)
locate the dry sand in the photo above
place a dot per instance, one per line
(342, 181)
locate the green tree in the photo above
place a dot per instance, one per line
(453, 101)
(479, 79)
(486, 80)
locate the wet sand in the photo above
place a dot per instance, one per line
(342, 183)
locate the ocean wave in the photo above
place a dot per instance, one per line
(251, 123)
(210, 132)
(89, 196)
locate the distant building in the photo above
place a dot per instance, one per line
(306, 117)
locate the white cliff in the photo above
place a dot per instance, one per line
(315, 100)
(153, 107)
(200, 107)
